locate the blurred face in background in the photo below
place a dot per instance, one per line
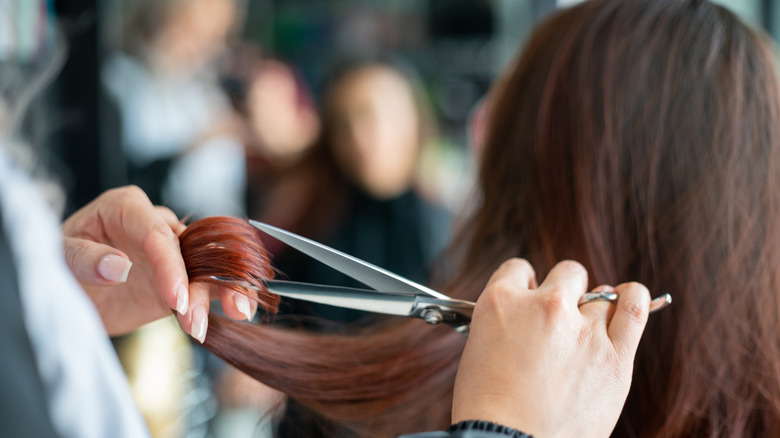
(282, 115)
(375, 130)
(194, 32)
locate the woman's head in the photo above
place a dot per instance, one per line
(374, 127)
(178, 35)
(281, 113)
(642, 138)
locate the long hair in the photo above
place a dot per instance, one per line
(639, 137)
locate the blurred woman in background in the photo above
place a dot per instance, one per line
(178, 130)
(361, 196)
(281, 124)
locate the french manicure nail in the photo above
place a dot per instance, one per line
(114, 268)
(242, 304)
(200, 323)
(182, 299)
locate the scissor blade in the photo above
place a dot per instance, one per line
(359, 299)
(362, 271)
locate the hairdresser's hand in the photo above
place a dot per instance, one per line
(537, 362)
(125, 252)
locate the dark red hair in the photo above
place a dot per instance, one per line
(362, 382)
(220, 249)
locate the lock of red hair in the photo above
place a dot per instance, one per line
(216, 249)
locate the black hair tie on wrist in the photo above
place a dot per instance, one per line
(487, 426)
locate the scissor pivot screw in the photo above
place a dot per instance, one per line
(432, 315)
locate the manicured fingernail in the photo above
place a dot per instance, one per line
(182, 299)
(200, 323)
(242, 304)
(114, 268)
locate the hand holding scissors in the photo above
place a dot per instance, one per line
(538, 362)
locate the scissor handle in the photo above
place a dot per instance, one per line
(657, 304)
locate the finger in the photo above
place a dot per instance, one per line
(195, 322)
(514, 273)
(170, 218)
(627, 324)
(599, 310)
(568, 278)
(146, 229)
(236, 305)
(96, 264)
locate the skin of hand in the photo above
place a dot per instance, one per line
(125, 253)
(537, 362)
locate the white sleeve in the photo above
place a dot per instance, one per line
(86, 390)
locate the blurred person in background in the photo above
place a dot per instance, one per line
(359, 192)
(280, 126)
(177, 128)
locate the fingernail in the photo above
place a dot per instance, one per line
(114, 268)
(182, 299)
(242, 304)
(200, 322)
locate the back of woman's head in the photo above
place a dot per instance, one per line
(641, 138)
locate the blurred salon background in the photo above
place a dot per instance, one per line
(353, 122)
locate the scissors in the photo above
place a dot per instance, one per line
(392, 294)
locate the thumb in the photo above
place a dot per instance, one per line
(94, 263)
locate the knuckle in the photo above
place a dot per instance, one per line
(498, 297)
(126, 193)
(503, 286)
(552, 303)
(573, 266)
(164, 211)
(166, 214)
(641, 288)
(163, 229)
(75, 252)
(585, 335)
(518, 264)
(133, 191)
(635, 311)
(157, 234)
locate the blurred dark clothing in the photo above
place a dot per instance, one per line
(403, 235)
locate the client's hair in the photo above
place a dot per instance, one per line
(365, 382)
(640, 137)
